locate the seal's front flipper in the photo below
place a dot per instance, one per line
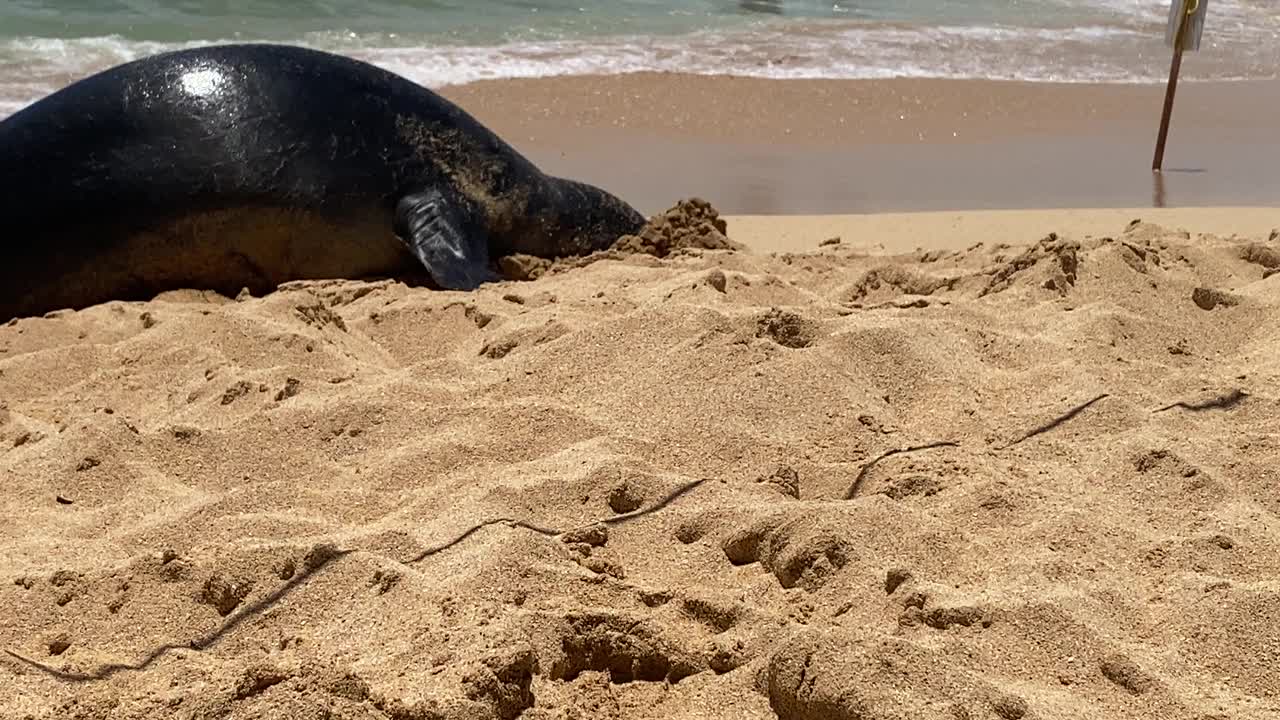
(446, 238)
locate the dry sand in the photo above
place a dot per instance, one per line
(1008, 476)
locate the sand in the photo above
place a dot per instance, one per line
(823, 113)
(1011, 474)
(757, 146)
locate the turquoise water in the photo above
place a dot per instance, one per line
(45, 43)
(471, 21)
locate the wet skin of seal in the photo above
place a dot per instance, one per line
(250, 165)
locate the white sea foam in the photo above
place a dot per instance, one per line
(32, 67)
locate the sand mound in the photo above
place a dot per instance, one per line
(1011, 482)
(691, 225)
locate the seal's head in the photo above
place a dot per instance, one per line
(572, 218)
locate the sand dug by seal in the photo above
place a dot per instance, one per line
(692, 223)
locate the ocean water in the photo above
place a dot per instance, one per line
(46, 43)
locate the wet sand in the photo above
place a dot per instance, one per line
(767, 147)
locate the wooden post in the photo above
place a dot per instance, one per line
(1189, 8)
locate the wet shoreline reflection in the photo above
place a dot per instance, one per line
(1158, 193)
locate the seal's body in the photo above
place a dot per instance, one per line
(241, 166)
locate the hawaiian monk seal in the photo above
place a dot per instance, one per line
(250, 165)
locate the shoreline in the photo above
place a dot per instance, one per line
(933, 144)
(761, 146)
(825, 112)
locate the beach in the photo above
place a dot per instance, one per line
(786, 107)
(936, 465)
(766, 146)
(920, 396)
